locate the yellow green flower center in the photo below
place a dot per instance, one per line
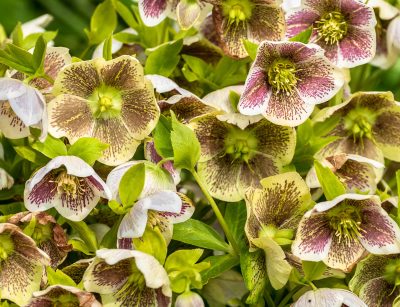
(6, 246)
(331, 28)
(280, 236)
(66, 300)
(392, 272)
(346, 221)
(70, 185)
(136, 277)
(240, 144)
(282, 76)
(42, 233)
(105, 102)
(359, 123)
(237, 11)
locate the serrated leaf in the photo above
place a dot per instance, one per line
(131, 184)
(88, 149)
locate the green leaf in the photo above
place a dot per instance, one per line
(17, 35)
(110, 238)
(58, 277)
(199, 234)
(131, 184)
(330, 183)
(30, 41)
(185, 145)
(39, 54)
(103, 23)
(107, 49)
(31, 155)
(164, 59)
(162, 137)
(17, 58)
(198, 66)
(251, 48)
(126, 15)
(235, 217)
(51, 147)
(153, 243)
(11, 208)
(303, 37)
(218, 265)
(88, 149)
(313, 270)
(86, 234)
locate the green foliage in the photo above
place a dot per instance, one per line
(313, 270)
(156, 62)
(153, 243)
(330, 183)
(88, 149)
(162, 137)
(303, 37)
(99, 29)
(131, 185)
(51, 147)
(58, 277)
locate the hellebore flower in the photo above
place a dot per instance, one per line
(158, 204)
(191, 12)
(108, 100)
(345, 29)
(340, 231)
(48, 235)
(36, 25)
(286, 80)
(367, 126)
(253, 20)
(6, 181)
(21, 265)
(128, 277)
(68, 184)
(234, 158)
(357, 173)
(189, 298)
(273, 213)
(329, 297)
(154, 12)
(377, 279)
(59, 295)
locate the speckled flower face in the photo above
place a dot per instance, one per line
(338, 232)
(110, 101)
(125, 277)
(369, 126)
(233, 159)
(153, 12)
(256, 21)
(21, 265)
(286, 80)
(68, 184)
(345, 29)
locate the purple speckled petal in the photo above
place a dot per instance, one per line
(256, 94)
(359, 14)
(187, 210)
(323, 6)
(153, 12)
(41, 197)
(299, 20)
(379, 292)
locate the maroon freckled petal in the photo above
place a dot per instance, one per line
(299, 20)
(43, 194)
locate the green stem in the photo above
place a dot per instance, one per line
(85, 51)
(217, 212)
(269, 300)
(289, 296)
(312, 286)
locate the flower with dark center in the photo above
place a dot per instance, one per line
(345, 29)
(340, 231)
(286, 80)
(108, 100)
(68, 184)
(238, 20)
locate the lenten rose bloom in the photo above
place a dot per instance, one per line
(191, 12)
(128, 278)
(376, 280)
(108, 100)
(329, 297)
(340, 232)
(273, 213)
(253, 20)
(59, 295)
(21, 264)
(286, 80)
(345, 29)
(368, 125)
(154, 12)
(68, 184)
(357, 173)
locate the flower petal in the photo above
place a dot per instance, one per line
(153, 12)
(187, 14)
(219, 99)
(329, 297)
(299, 19)
(187, 108)
(163, 85)
(386, 133)
(329, 204)
(378, 292)
(11, 88)
(10, 124)
(186, 212)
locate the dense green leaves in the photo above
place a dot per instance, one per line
(102, 23)
(51, 147)
(131, 184)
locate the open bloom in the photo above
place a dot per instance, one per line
(48, 235)
(108, 100)
(253, 20)
(286, 80)
(128, 277)
(273, 213)
(59, 295)
(368, 125)
(153, 12)
(376, 280)
(21, 264)
(329, 297)
(340, 231)
(68, 184)
(345, 29)
(355, 172)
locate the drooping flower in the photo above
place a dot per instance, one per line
(376, 280)
(273, 213)
(154, 12)
(253, 20)
(329, 297)
(21, 265)
(191, 12)
(59, 295)
(286, 80)
(189, 298)
(128, 277)
(357, 173)
(108, 100)
(68, 184)
(345, 29)
(368, 125)
(158, 204)
(48, 235)
(340, 231)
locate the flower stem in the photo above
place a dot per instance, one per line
(217, 212)
(289, 296)
(268, 298)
